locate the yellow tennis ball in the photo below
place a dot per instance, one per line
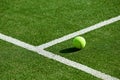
(79, 42)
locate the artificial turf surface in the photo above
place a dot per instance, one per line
(20, 64)
(101, 52)
(45, 20)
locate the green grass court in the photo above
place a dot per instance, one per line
(39, 21)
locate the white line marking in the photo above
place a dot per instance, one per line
(63, 60)
(76, 65)
(58, 58)
(16, 42)
(83, 31)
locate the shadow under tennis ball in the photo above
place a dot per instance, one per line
(69, 50)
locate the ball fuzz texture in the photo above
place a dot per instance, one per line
(79, 42)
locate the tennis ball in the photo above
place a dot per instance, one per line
(79, 42)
